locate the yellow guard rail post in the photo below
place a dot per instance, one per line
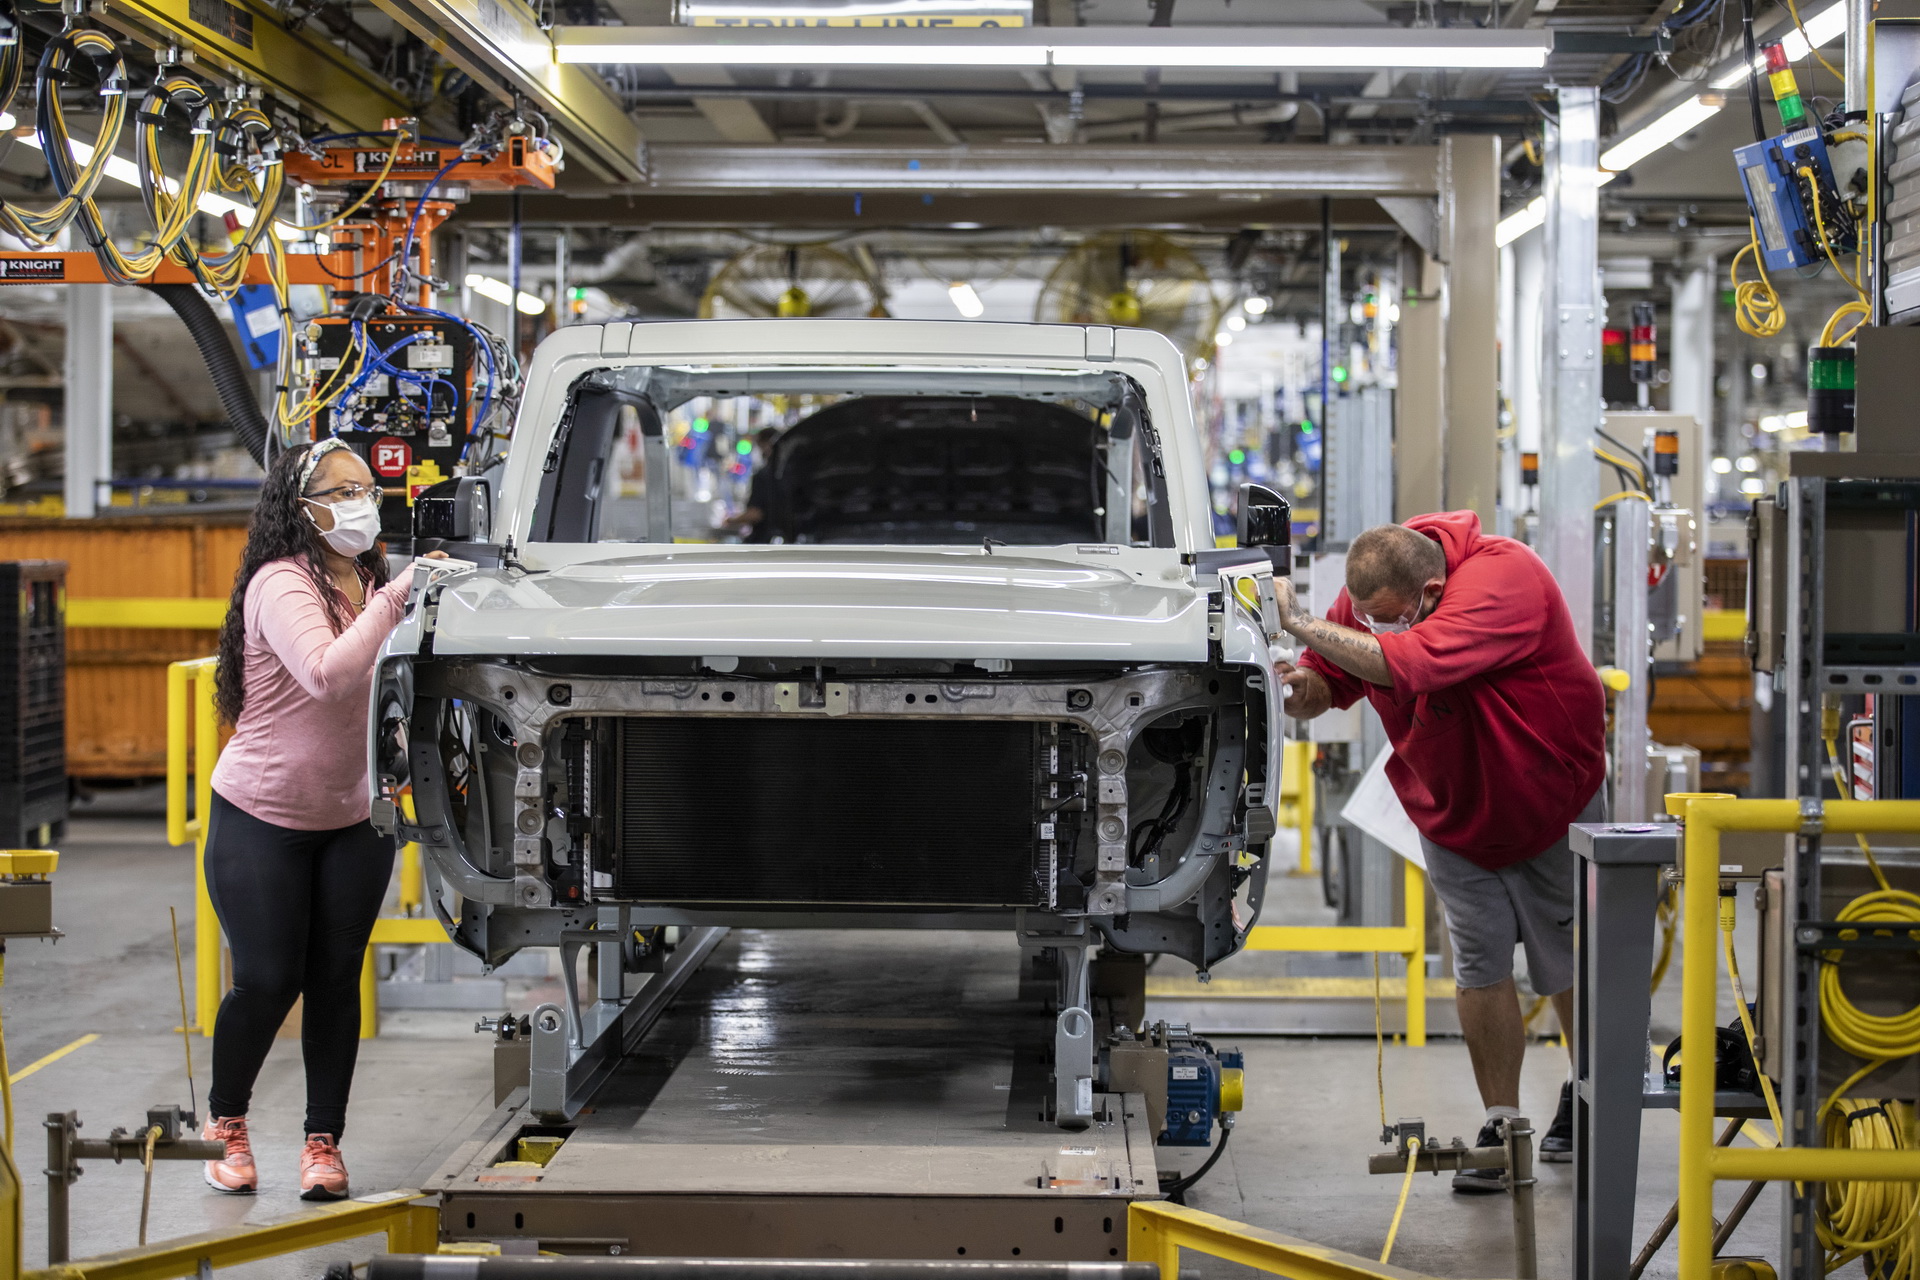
(1296, 798)
(201, 729)
(1408, 940)
(199, 725)
(1701, 1162)
(1157, 1231)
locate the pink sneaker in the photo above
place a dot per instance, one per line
(323, 1174)
(235, 1173)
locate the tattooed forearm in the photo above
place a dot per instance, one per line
(1353, 651)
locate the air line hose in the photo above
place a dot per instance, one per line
(223, 365)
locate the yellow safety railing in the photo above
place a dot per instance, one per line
(196, 731)
(193, 745)
(1157, 1231)
(1407, 940)
(193, 613)
(1296, 798)
(1701, 1162)
(411, 1226)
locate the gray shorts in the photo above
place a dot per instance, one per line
(1528, 903)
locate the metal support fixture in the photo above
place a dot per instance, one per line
(1569, 476)
(1614, 898)
(575, 1049)
(1633, 654)
(1073, 1049)
(1519, 1181)
(1157, 1231)
(562, 307)
(88, 377)
(66, 1149)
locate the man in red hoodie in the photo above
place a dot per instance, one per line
(1463, 644)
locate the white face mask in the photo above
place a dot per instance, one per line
(356, 525)
(1385, 628)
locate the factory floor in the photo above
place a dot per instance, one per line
(1296, 1162)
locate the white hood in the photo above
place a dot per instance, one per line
(830, 602)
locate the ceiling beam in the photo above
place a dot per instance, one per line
(501, 44)
(1250, 172)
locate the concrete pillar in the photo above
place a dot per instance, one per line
(89, 396)
(1469, 208)
(1569, 475)
(1419, 402)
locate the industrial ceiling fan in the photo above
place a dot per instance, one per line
(1136, 279)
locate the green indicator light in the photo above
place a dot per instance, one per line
(1792, 112)
(700, 426)
(744, 448)
(1237, 457)
(1339, 373)
(578, 293)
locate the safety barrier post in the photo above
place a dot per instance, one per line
(1296, 799)
(193, 744)
(1407, 940)
(1701, 1162)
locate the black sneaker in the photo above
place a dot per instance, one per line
(1483, 1182)
(1557, 1146)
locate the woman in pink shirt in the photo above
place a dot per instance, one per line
(296, 872)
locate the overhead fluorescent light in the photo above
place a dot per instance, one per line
(1226, 48)
(1824, 27)
(501, 292)
(965, 300)
(1519, 222)
(1677, 123)
(125, 171)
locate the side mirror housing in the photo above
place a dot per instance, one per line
(1266, 521)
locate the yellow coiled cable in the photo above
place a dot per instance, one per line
(1756, 306)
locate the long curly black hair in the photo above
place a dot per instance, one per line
(279, 530)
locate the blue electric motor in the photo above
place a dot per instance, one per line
(1202, 1085)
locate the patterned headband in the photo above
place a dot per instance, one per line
(332, 444)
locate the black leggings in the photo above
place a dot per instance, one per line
(298, 908)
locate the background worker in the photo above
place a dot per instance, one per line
(1463, 644)
(754, 522)
(296, 872)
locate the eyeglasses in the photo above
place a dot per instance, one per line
(347, 492)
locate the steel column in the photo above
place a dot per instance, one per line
(1470, 206)
(1569, 476)
(88, 374)
(1859, 16)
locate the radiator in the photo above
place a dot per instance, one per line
(834, 810)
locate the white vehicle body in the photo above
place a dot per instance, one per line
(533, 702)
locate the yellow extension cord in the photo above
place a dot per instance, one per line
(1867, 1219)
(1757, 308)
(1406, 1184)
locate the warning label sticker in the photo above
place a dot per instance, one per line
(14, 267)
(391, 457)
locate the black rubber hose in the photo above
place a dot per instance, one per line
(1174, 1191)
(230, 377)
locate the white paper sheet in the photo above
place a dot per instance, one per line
(1376, 810)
